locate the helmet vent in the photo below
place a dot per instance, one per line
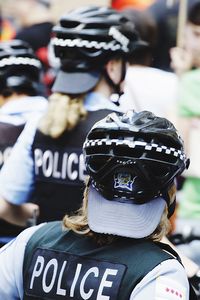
(69, 24)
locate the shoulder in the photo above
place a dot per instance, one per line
(11, 264)
(29, 130)
(21, 240)
(16, 248)
(165, 281)
(48, 230)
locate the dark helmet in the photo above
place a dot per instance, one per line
(134, 156)
(19, 67)
(86, 38)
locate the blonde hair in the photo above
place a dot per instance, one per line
(79, 224)
(63, 113)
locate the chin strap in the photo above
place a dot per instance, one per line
(172, 206)
(116, 87)
(166, 197)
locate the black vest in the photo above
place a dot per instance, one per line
(8, 136)
(58, 264)
(60, 169)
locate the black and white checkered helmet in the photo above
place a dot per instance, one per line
(87, 37)
(134, 155)
(19, 67)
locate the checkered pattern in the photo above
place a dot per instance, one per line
(113, 46)
(134, 144)
(19, 61)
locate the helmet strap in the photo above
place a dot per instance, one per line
(116, 87)
(171, 206)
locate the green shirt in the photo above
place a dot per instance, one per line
(189, 106)
(189, 94)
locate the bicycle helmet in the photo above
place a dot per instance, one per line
(85, 39)
(19, 67)
(134, 156)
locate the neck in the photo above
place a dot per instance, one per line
(103, 88)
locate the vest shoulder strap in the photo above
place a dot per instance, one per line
(53, 228)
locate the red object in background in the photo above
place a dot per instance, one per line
(48, 74)
(42, 54)
(136, 4)
(7, 30)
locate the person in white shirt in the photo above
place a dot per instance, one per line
(146, 87)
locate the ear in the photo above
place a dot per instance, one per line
(113, 70)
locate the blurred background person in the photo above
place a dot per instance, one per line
(165, 15)
(186, 63)
(93, 44)
(186, 58)
(146, 87)
(20, 100)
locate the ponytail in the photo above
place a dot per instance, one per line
(63, 113)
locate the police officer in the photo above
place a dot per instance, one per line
(110, 249)
(19, 91)
(92, 44)
(19, 97)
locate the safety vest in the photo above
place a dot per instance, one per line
(8, 136)
(60, 169)
(64, 265)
